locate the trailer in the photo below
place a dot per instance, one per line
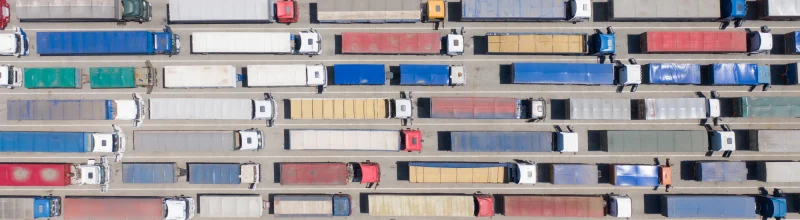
(432, 75)
(675, 10)
(720, 171)
(55, 174)
(14, 44)
(513, 141)
(359, 74)
(573, 174)
(671, 74)
(792, 42)
(350, 108)
(635, 175)
(778, 172)
(654, 141)
(597, 44)
(708, 206)
(62, 142)
(471, 172)
(376, 11)
(677, 108)
(85, 43)
(562, 73)
(286, 75)
(766, 107)
(123, 77)
(329, 173)
(83, 11)
(359, 140)
(739, 74)
(210, 76)
(438, 205)
(52, 78)
(598, 109)
(123, 208)
(198, 141)
(231, 206)
(308, 206)
(568, 206)
(785, 10)
(486, 108)
(401, 43)
(225, 173)
(211, 12)
(30, 207)
(774, 141)
(70, 109)
(149, 173)
(705, 42)
(305, 42)
(212, 109)
(526, 10)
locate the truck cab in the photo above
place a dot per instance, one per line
(250, 139)
(10, 76)
(109, 142)
(526, 173)
(265, 109)
(46, 206)
(435, 10)
(403, 108)
(94, 173)
(458, 76)
(167, 42)
(567, 142)
(316, 75)
(455, 44)
(412, 140)
(250, 174)
(759, 42)
(179, 208)
(310, 43)
(137, 10)
(14, 44)
(713, 107)
(603, 44)
(5, 14)
(580, 10)
(370, 172)
(629, 74)
(619, 206)
(723, 141)
(538, 109)
(286, 11)
(771, 206)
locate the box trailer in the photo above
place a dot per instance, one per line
(635, 175)
(471, 172)
(705, 42)
(792, 42)
(597, 44)
(778, 172)
(739, 74)
(654, 141)
(677, 108)
(210, 76)
(786, 10)
(766, 107)
(211, 12)
(777, 141)
(526, 10)
(486, 108)
(305, 42)
(231, 206)
(70, 109)
(513, 141)
(52, 78)
(359, 74)
(350, 108)
(432, 75)
(285, 75)
(123, 77)
(434, 205)
(376, 11)
(708, 206)
(212, 109)
(308, 206)
(62, 142)
(359, 140)
(94, 43)
(224, 173)
(197, 141)
(562, 73)
(55, 174)
(82, 11)
(14, 44)
(44, 207)
(149, 173)
(573, 174)
(672, 74)
(720, 171)
(567, 206)
(329, 173)
(599, 109)
(677, 10)
(123, 208)
(401, 43)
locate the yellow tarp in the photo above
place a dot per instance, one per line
(537, 43)
(339, 108)
(456, 175)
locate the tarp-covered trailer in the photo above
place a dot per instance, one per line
(197, 141)
(391, 43)
(82, 10)
(562, 73)
(122, 77)
(634, 175)
(654, 141)
(469, 172)
(672, 73)
(124, 208)
(787, 10)
(149, 173)
(545, 206)
(210, 109)
(52, 78)
(792, 43)
(211, 11)
(673, 10)
(720, 171)
(708, 206)
(432, 75)
(40, 207)
(501, 141)
(231, 206)
(526, 10)
(375, 11)
(777, 141)
(39, 174)
(93, 43)
(766, 107)
(66, 109)
(308, 206)
(573, 174)
(328, 173)
(599, 109)
(677, 108)
(778, 172)
(61, 142)
(695, 42)
(416, 205)
(359, 74)
(207, 76)
(598, 44)
(224, 173)
(361, 140)
(476, 108)
(738, 74)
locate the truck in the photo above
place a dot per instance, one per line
(720, 171)
(654, 141)
(582, 206)
(286, 11)
(526, 10)
(486, 108)
(208, 76)
(777, 172)
(723, 206)
(638, 174)
(785, 10)
(573, 174)
(231, 206)
(351, 108)
(598, 109)
(513, 141)
(149, 173)
(766, 107)
(52, 78)
(14, 44)
(30, 207)
(792, 42)
(329, 173)
(83, 11)
(210, 12)
(432, 75)
(774, 141)
(308, 206)
(84, 43)
(749, 74)
(401, 43)
(597, 44)
(122, 208)
(359, 74)
(562, 73)
(420, 205)
(650, 11)
(198, 141)
(286, 75)
(360, 140)
(677, 108)
(376, 11)
(62, 142)
(706, 42)
(72, 109)
(10, 76)
(225, 173)
(55, 174)
(471, 172)
(305, 42)
(127, 77)
(213, 109)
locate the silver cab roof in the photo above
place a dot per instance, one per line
(176, 209)
(527, 173)
(723, 141)
(264, 109)
(581, 9)
(567, 142)
(630, 74)
(310, 43)
(316, 75)
(102, 143)
(455, 43)
(250, 140)
(403, 108)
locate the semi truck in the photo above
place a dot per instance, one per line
(14, 44)
(305, 42)
(576, 206)
(149, 173)
(432, 75)
(71, 109)
(123, 77)
(471, 172)
(5, 14)
(421, 205)
(513, 141)
(198, 141)
(401, 43)
(62, 142)
(225, 173)
(677, 108)
(359, 140)
(231, 206)
(213, 109)
(55, 174)
(766, 107)
(122, 208)
(83, 11)
(84, 43)
(351, 108)
(359, 74)
(706, 42)
(720, 171)
(286, 75)
(307, 206)
(376, 11)
(329, 173)
(286, 11)
(598, 109)
(486, 108)
(210, 12)
(723, 206)
(43, 207)
(573, 174)
(597, 44)
(774, 141)
(785, 10)
(526, 10)
(52, 78)
(777, 172)
(658, 140)
(747, 74)
(208, 76)
(562, 73)
(649, 11)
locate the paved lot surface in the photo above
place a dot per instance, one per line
(486, 77)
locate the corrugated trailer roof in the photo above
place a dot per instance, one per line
(149, 173)
(563, 73)
(664, 10)
(116, 77)
(60, 109)
(708, 206)
(44, 10)
(183, 141)
(374, 11)
(112, 208)
(721, 171)
(311, 205)
(458, 172)
(512, 10)
(634, 175)
(242, 42)
(675, 108)
(40, 141)
(276, 75)
(359, 74)
(783, 141)
(424, 74)
(339, 108)
(210, 11)
(231, 206)
(206, 76)
(778, 9)
(573, 174)
(767, 107)
(377, 140)
(501, 141)
(537, 43)
(694, 41)
(35, 174)
(475, 108)
(214, 173)
(599, 109)
(314, 174)
(24, 208)
(421, 205)
(553, 206)
(52, 77)
(655, 141)
(778, 172)
(390, 43)
(735, 74)
(94, 42)
(200, 108)
(672, 73)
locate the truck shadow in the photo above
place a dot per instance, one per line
(558, 108)
(594, 140)
(329, 72)
(276, 171)
(543, 172)
(363, 203)
(443, 141)
(424, 107)
(634, 47)
(652, 204)
(777, 75)
(480, 44)
(337, 41)
(402, 171)
(312, 13)
(603, 173)
(286, 139)
(506, 75)
(600, 11)
(778, 44)
(394, 75)
(453, 11)
(687, 170)
(287, 109)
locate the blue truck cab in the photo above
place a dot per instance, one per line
(771, 206)
(167, 42)
(603, 44)
(46, 207)
(732, 10)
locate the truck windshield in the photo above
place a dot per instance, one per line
(11, 75)
(19, 43)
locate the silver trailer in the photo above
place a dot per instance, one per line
(677, 108)
(779, 9)
(197, 141)
(231, 206)
(211, 109)
(373, 11)
(649, 10)
(220, 12)
(778, 141)
(82, 10)
(599, 109)
(372, 140)
(778, 172)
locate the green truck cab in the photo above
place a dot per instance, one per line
(137, 10)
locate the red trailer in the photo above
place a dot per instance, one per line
(553, 206)
(391, 43)
(475, 108)
(328, 173)
(35, 174)
(694, 42)
(110, 208)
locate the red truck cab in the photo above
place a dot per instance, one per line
(286, 11)
(412, 140)
(5, 14)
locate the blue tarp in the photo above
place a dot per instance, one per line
(47, 142)
(708, 206)
(424, 74)
(148, 173)
(574, 174)
(635, 175)
(219, 173)
(563, 73)
(96, 43)
(721, 171)
(673, 73)
(359, 74)
(512, 10)
(341, 205)
(793, 42)
(42, 207)
(792, 74)
(501, 141)
(734, 74)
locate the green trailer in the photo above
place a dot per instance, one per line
(122, 77)
(654, 141)
(766, 107)
(52, 78)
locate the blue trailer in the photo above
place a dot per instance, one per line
(87, 43)
(432, 75)
(359, 74)
(149, 173)
(41, 207)
(573, 174)
(563, 73)
(739, 74)
(792, 40)
(720, 171)
(672, 73)
(224, 173)
(501, 141)
(634, 175)
(61, 142)
(708, 206)
(793, 74)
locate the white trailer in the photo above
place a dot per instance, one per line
(286, 75)
(779, 9)
(231, 206)
(374, 11)
(307, 42)
(213, 109)
(599, 109)
(373, 140)
(678, 108)
(214, 11)
(197, 141)
(778, 172)
(212, 76)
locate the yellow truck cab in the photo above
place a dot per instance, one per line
(435, 10)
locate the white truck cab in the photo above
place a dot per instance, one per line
(458, 76)
(10, 76)
(179, 208)
(310, 43)
(630, 74)
(619, 206)
(455, 44)
(581, 10)
(264, 109)
(723, 141)
(316, 75)
(93, 173)
(760, 42)
(251, 139)
(109, 142)
(251, 174)
(567, 142)
(403, 108)
(713, 108)
(526, 173)
(14, 44)
(538, 109)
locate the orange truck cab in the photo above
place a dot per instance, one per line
(665, 175)
(286, 11)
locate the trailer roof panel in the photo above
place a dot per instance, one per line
(242, 42)
(784, 141)
(218, 173)
(501, 141)
(230, 206)
(314, 174)
(210, 11)
(377, 140)
(664, 9)
(708, 206)
(553, 206)
(67, 9)
(503, 10)
(149, 173)
(574, 174)
(563, 73)
(721, 171)
(673, 73)
(603, 109)
(675, 108)
(421, 205)
(694, 41)
(635, 175)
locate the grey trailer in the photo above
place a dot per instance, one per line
(664, 10)
(654, 141)
(777, 141)
(599, 109)
(220, 12)
(197, 141)
(779, 9)
(778, 172)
